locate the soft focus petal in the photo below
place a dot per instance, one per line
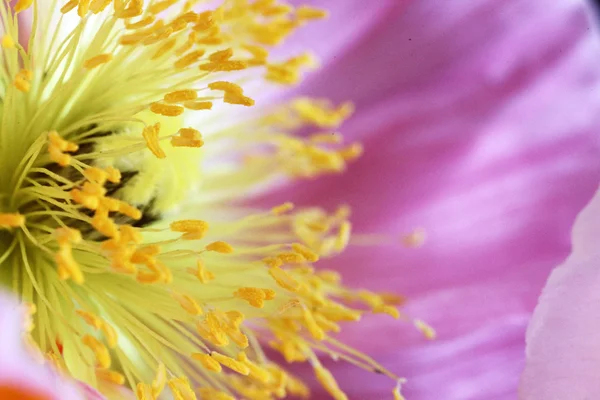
(480, 124)
(563, 349)
(21, 376)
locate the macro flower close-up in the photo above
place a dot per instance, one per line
(264, 199)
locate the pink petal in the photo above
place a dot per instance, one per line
(563, 348)
(18, 368)
(482, 128)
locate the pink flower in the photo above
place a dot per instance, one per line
(22, 375)
(563, 350)
(480, 124)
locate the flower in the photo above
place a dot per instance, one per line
(121, 218)
(481, 126)
(563, 349)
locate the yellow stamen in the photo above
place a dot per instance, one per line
(97, 60)
(11, 220)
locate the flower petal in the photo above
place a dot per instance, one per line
(563, 350)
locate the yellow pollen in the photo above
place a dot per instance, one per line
(227, 87)
(141, 23)
(22, 5)
(150, 134)
(110, 376)
(207, 362)
(100, 351)
(254, 296)
(90, 319)
(83, 8)
(188, 304)
(97, 6)
(97, 60)
(189, 59)
(166, 109)
(11, 220)
(284, 279)
(198, 105)
(220, 247)
(222, 55)
(230, 363)
(181, 389)
(161, 6)
(180, 96)
(69, 6)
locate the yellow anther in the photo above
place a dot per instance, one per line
(181, 389)
(189, 226)
(207, 362)
(234, 98)
(329, 383)
(113, 174)
(150, 135)
(227, 87)
(95, 174)
(198, 105)
(188, 137)
(272, 262)
(67, 266)
(60, 143)
(91, 319)
(22, 84)
(105, 225)
(93, 189)
(283, 208)
(256, 372)
(158, 384)
(220, 247)
(385, 309)
(425, 329)
(180, 95)
(83, 8)
(224, 66)
(396, 392)
(142, 255)
(98, 60)
(22, 5)
(254, 296)
(343, 237)
(213, 394)
(97, 6)
(162, 50)
(160, 6)
(11, 220)
(100, 351)
(143, 392)
(129, 210)
(168, 110)
(69, 6)
(291, 258)
(259, 54)
(305, 252)
(205, 21)
(141, 23)
(149, 277)
(189, 59)
(221, 55)
(307, 13)
(110, 334)
(86, 200)
(188, 304)
(8, 42)
(351, 152)
(134, 9)
(314, 328)
(203, 275)
(130, 234)
(230, 363)
(269, 294)
(284, 279)
(188, 17)
(109, 376)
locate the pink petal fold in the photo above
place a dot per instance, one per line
(480, 123)
(563, 346)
